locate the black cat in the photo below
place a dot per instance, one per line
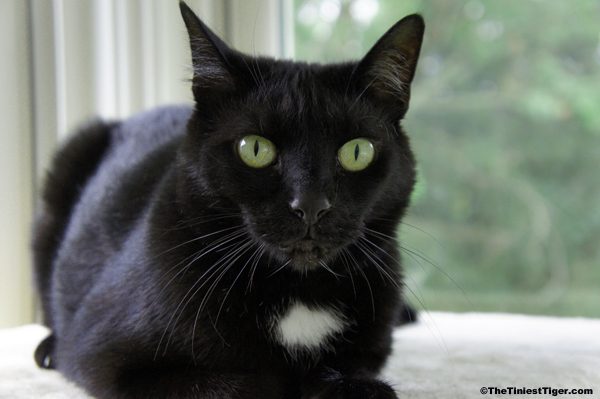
(242, 248)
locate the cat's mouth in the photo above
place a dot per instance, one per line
(304, 254)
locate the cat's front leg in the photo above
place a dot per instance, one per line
(332, 384)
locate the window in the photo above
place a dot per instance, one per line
(505, 124)
(504, 121)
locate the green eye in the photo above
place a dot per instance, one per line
(256, 151)
(356, 154)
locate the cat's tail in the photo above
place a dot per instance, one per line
(72, 166)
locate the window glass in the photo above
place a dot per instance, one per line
(505, 123)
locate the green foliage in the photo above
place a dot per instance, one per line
(505, 122)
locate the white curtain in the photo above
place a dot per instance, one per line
(65, 61)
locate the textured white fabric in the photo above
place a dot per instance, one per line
(445, 355)
(452, 356)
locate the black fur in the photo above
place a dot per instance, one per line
(72, 166)
(163, 261)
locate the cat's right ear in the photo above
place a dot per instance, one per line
(212, 71)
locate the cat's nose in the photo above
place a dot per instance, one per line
(310, 207)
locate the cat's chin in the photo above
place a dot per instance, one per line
(304, 264)
(305, 255)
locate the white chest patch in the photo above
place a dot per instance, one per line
(301, 327)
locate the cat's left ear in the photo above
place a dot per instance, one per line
(387, 70)
(210, 58)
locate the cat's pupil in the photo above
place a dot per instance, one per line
(256, 147)
(356, 152)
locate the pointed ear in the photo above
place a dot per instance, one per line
(389, 67)
(212, 71)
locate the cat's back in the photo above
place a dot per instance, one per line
(141, 151)
(101, 181)
(135, 138)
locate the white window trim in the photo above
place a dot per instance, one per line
(16, 174)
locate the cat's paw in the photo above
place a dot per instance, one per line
(353, 388)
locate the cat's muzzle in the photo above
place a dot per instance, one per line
(304, 254)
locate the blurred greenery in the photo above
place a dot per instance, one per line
(505, 123)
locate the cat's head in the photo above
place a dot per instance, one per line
(309, 154)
